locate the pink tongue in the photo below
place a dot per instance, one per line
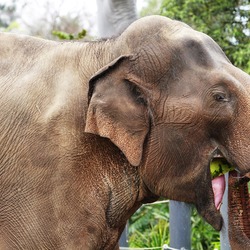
(218, 185)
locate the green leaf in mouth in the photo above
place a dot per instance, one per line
(219, 166)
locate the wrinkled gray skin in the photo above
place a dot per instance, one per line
(114, 16)
(91, 131)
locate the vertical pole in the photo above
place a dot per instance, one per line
(224, 240)
(123, 239)
(180, 225)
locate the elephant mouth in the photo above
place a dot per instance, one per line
(209, 205)
(218, 183)
(238, 205)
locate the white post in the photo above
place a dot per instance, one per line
(180, 225)
(224, 240)
(123, 242)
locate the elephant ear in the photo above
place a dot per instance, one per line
(118, 109)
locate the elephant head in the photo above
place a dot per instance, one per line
(171, 101)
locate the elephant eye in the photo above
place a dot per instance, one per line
(220, 97)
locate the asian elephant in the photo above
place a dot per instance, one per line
(91, 131)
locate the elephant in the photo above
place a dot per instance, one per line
(114, 16)
(90, 131)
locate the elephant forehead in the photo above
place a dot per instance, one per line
(193, 47)
(176, 54)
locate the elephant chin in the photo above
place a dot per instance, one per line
(209, 201)
(211, 215)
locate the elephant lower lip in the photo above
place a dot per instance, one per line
(218, 185)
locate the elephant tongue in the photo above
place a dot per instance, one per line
(218, 185)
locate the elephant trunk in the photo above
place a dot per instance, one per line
(238, 212)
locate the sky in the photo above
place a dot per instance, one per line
(36, 9)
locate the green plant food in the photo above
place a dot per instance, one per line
(219, 166)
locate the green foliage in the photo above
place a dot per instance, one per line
(12, 26)
(67, 36)
(8, 16)
(156, 236)
(203, 235)
(227, 22)
(149, 227)
(152, 8)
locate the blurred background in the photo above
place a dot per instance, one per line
(41, 17)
